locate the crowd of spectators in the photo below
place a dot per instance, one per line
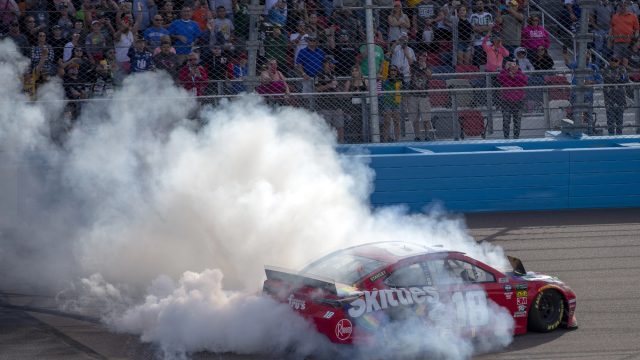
(94, 44)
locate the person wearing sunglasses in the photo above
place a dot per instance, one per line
(155, 33)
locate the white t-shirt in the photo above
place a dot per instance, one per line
(122, 47)
(481, 19)
(400, 59)
(301, 45)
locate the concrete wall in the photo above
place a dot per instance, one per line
(537, 174)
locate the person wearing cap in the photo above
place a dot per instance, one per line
(326, 82)
(512, 100)
(615, 97)
(103, 85)
(495, 53)
(403, 56)
(398, 22)
(141, 57)
(95, 41)
(57, 42)
(624, 28)
(512, 20)
(184, 31)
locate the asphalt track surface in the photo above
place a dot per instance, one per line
(597, 252)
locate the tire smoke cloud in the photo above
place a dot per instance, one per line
(162, 225)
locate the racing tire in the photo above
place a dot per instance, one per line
(546, 312)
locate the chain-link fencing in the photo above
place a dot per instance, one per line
(391, 71)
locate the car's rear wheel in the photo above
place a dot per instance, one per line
(546, 312)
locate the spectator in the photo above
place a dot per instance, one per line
(241, 19)
(602, 24)
(167, 60)
(615, 97)
(193, 76)
(227, 4)
(217, 63)
(278, 13)
(123, 39)
(43, 51)
(511, 20)
(273, 83)
(345, 53)
(168, 13)
(83, 63)
(9, 13)
(221, 29)
(141, 58)
(624, 28)
(571, 15)
(117, 71)
(309, 63)
(201, 14)
(238, 70)
(390, 104)
(146, 10)
(349, 24)
(74, 89)
(426, 14)
(495, 53)
(593, 77)
(21, 41)
(465, 34)
(634, 57)
(324, 33)
(403, 56)
(482, 23)
(154, 34)
(185, 32)
(64, 21)
(57, 42)
(521, 58)
(378, 59)
(38, 10)
(298, 39)
(398, 22)
(68, 47)
(534, 35)
(31, 30)
(96, 42)
(354, 119)
(542, 60)
(103, 85)
(418, 105)
(512, 100)
(275, 46)
(326, 82)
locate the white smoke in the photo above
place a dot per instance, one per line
(139, 195)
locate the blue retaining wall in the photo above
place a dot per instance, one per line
(535, 174)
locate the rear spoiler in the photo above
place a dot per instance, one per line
(517, 266)
(297, 281)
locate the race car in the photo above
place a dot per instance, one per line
(344, 292)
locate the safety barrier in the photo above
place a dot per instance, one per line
(553, 173)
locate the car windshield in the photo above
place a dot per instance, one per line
(343, 267)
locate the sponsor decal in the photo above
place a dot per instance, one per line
(521, 293)
(520, 314)
(507, 288)
(521, 301)
(328, 315)
(296, 303)
(522, 307)
(521, 287)
(382, 299)
(508, 295)
(344, 329)
(378, 275)
(503, 280)
(572, 301)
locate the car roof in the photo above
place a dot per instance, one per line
(393, 251)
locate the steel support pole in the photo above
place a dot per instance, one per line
(255, 10)
(374, 116)
(580, 107)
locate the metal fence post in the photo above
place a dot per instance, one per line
(546, 109)
(489, 84)
(373, 85)
(255, 10)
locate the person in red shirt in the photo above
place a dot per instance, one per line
(512, 99)
(193, 76)
(624, 28)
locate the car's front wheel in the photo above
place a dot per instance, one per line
(546, 312)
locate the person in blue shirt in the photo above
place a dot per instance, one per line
(594, 77)
(141, 59)
(155, 33)
(185, 32)
(309, 63)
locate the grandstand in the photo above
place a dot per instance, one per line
(314, 54)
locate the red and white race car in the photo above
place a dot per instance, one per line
(345, 291)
